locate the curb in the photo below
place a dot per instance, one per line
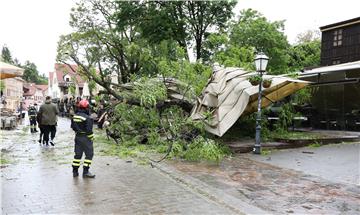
(291, 144)
(234, 204)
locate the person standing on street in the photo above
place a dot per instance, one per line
(48, 114)
(61, 107)
(82, 124)
(38, 119)
(32, 112)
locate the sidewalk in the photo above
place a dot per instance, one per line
(279, 189)
(39, 180)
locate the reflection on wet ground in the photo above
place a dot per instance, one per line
(38, 179)
(275, 189)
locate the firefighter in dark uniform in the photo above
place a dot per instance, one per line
(32, 112)
(82, 124)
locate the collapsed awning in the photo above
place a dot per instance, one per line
(9, 71)
(330, 69)
(229, 95)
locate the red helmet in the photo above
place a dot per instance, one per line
(83, 104)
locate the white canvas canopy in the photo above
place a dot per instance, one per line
(9, 71)
(229, 95)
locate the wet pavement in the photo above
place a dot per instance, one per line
(336, 162)
(39, 180)
(287, 181)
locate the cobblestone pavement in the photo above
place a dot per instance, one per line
(39, 180)
(275, 189)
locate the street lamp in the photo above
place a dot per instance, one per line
(261, 61)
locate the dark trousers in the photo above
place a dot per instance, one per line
(83, 145)
(49, 130)
(33, 124)
(42, 131)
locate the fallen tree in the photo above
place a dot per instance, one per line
(161, 118)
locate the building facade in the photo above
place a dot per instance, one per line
(335, 102)
(65, 82)
(34, 94)
(340, 42)
(12, 94)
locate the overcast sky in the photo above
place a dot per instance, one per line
(31, 28)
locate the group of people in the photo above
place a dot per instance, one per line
(81, 123)
(68, 106)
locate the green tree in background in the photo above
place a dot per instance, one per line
(108, 39)
(31, 74)
(187, 22)
(6, 55)
(101, 46)
(218, 49)
(252, 30)
(306, 52)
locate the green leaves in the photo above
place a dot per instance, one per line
(6, 55)
(254, 31)
(254, 79)
(185, 22)
(2, 85)
(286, 116)
(205, 149)
(304, 54)
(172, 126)
(149, 91)
(31, 74)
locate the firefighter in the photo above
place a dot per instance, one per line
(82, 124)
(32, 112)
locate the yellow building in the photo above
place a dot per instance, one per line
(12, 93)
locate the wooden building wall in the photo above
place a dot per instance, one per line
(348, 50)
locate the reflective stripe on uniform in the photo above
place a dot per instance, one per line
(76, 162)
(87, 161)
(79, 118)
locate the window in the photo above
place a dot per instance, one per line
(67, 78)
(337, 37)
(336, 62)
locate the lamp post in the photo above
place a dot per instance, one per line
(261, 61)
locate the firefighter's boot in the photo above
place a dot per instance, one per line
(87, 173)
(75, 172)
